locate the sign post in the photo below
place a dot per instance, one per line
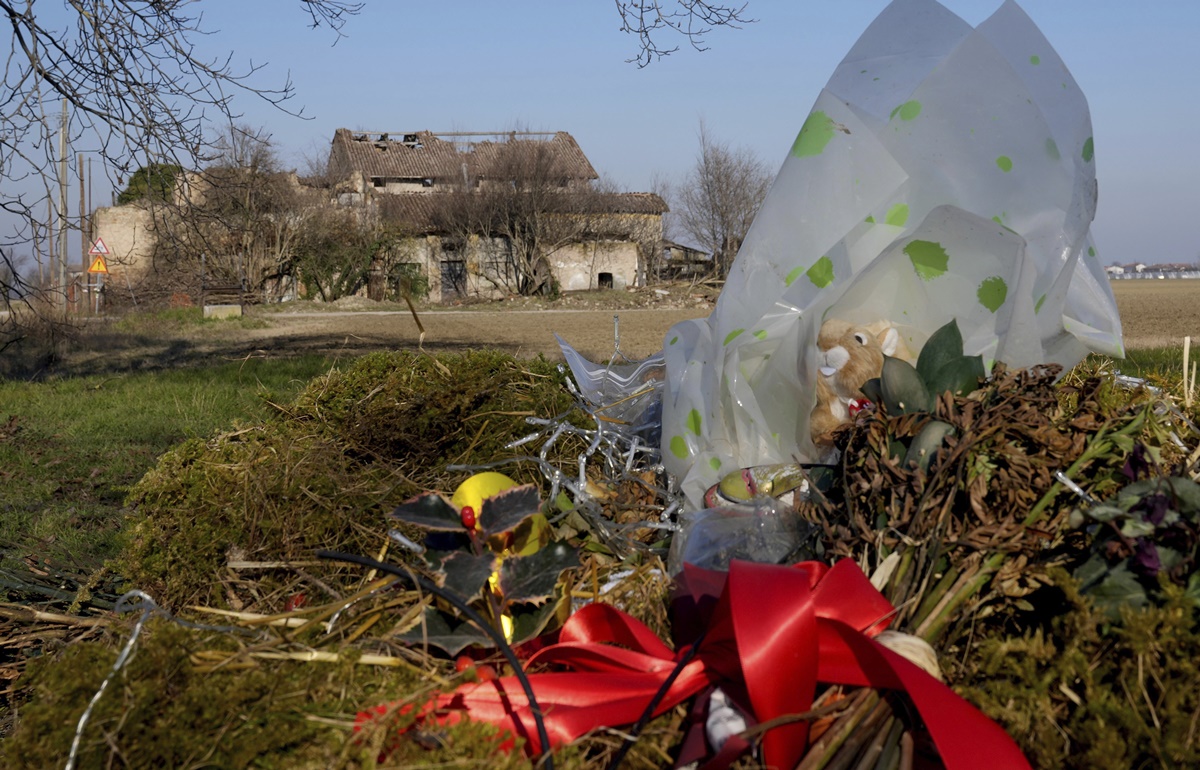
(99, 268)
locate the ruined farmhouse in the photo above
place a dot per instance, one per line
(462, 215)
(493, 213)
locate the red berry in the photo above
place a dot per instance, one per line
(462, 663)
(485, 673)
(295, 602)
(468, 517)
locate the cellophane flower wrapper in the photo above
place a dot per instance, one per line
(944, 172)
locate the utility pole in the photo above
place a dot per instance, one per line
(62, 207)
(50, 263)
(37, 253)
(85, 278)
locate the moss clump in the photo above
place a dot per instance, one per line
(353, 445)
(161, 711)
(1085, 692)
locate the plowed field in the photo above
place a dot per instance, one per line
(1158, 313)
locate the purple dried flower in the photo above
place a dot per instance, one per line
(1145, 559)
(1136, 465)
(1153, 507)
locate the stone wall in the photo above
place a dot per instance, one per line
(126, 231)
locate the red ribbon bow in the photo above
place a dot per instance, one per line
(773, 634)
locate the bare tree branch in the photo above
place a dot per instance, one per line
(649, 20)
(133, 89)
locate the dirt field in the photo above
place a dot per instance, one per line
(1153, 313)
(1158, 313)
(520, 332)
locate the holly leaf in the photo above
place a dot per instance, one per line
(504, 511)
(529, 620)
(440, 630)
(466, 574)
(530, 535)
(532, 578)
(431, 511)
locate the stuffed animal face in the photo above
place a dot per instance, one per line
(849, 355)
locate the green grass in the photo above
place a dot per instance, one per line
(1165, 364)
(160, 321)
(73, 447)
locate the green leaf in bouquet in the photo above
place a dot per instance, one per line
(532, 578)
(466, 573)
(505, 511)
(1118, 588)
(959, 376)
(873, 390)
(903, 390)
(943, 347)
(1169, 558)
(1103, 512)
(1091, 572)
(591, 545)
(926, 443)
(1193, 589)
(431, 511)
(1137, 527)
(823, 477)
(1133, 493)
(1183, 493)
(437, 629)
(1187, 494)
(1123, 442)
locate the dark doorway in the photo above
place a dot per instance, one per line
(454, 279)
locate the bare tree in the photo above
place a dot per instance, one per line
(527, 207)
(718, 200)
(237, 220)
(122, 80)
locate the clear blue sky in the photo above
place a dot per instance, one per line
(553, 65)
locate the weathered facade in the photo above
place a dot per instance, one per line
(416, 180)
(454, 216)
(128, 235)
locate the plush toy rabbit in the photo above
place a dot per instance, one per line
(848, 356)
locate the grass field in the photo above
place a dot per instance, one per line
(70, 448)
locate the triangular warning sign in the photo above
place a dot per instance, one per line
(98, 266)
(98, 247)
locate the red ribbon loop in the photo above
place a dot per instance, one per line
(773, 634)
